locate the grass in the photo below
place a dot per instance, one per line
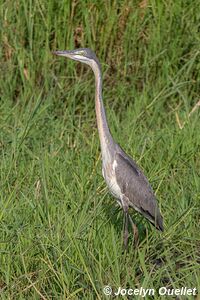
(60, 228)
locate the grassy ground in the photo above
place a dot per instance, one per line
(60, 229)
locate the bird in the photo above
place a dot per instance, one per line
(124, 178)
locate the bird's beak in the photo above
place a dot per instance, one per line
(63, 53)
(71, 54)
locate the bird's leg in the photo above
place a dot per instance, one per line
(135, 229)
(125, 229)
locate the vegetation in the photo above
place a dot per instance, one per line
(60, 229)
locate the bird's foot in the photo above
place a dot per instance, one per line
(126, 230)
(126, 238)
(135, 231)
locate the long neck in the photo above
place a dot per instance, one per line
(106, 139)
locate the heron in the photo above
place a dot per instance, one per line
(124, 178)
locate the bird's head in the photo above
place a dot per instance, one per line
(84, 55)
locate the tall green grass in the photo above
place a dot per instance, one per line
(60, 228)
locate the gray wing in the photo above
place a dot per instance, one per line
(135, 186)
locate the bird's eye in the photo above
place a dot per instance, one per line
(81, 53)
